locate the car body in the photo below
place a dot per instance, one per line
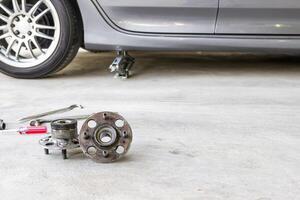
(218, 25)
(270, 26)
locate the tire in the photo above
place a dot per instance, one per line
(65, 49)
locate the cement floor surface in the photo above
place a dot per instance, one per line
(206, 126)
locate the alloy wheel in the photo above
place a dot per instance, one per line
(29, 32)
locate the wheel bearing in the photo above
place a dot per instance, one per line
(63, 137)
(105, 137)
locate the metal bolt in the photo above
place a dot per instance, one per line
(17, 19)
(12, 25)
(29, 33)
(64, 154)
(2, 125)
(29, 20)
(104, 116)
(105, 154)
(23, 36)
(125, 135)
(46, 151)
(86, 136)
(17, 32)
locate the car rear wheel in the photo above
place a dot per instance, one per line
(37, 37)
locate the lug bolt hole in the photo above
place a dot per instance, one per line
(119, 123)
(92, 150)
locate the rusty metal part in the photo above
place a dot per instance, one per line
(2, 125)
(58, 111)
(64, 136)
(39, 122)
(64, 129)
(105, 137)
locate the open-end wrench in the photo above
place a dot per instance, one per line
(39, 122)
(62, 110)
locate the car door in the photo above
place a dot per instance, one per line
(162, 16)
(279, 17)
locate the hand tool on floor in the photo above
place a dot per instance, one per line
(29, 130)
(58, 111)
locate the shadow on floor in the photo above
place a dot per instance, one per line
(184, 63)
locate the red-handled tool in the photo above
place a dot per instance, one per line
(30, 130)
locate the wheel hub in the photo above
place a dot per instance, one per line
(22, 26)
(105, 137)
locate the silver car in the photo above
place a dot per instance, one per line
(40, 37)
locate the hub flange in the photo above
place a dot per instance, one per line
(105, 137)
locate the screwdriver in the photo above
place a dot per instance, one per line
(29, 130)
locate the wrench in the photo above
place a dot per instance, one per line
(62, 110)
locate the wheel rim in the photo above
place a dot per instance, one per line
(29, 32)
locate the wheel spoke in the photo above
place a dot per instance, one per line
(36, 44)
(5, 35)
(8, 11)
(35, 7)
(43, 35)
(19, 47)
(9, 47)
(23, 5)
(40, 26)
(24, 48)
(41, 14)
(29, 48)
(3, 27)
(3, 18)
(16, 6)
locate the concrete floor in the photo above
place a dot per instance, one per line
(206, 126)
